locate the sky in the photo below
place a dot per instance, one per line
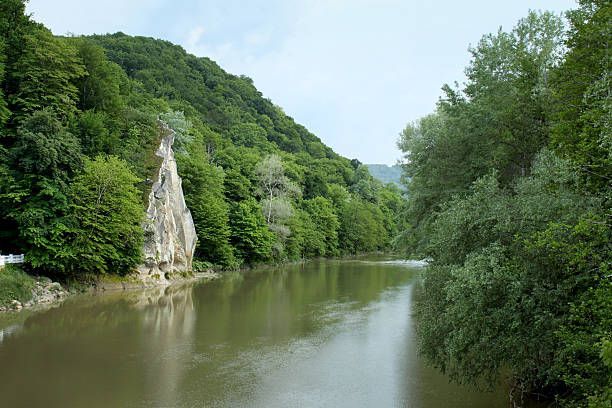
(354, 72)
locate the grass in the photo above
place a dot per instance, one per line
(15, 284)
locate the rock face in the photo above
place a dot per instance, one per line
(170, 236)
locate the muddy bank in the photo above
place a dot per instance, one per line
(46, 292)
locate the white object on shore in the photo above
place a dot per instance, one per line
(7, 259)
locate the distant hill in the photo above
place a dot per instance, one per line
(386, 174)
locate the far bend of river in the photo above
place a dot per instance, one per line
(330, 333)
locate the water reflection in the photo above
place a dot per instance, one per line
(168, 324)
(101, 351)
(422, 386)
(329, 333)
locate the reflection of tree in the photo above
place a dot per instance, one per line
(111, 349)
(424, 386)
(189, 345)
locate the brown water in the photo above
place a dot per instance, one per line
(335, 333)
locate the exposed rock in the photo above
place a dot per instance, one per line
(44, 292)
(170, 236)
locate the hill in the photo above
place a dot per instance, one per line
(385, 173)
(79, 120)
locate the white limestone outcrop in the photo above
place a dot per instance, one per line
(170, 236)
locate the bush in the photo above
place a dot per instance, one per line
(15, 284)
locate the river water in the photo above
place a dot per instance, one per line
(330, 333)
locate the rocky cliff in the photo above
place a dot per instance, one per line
(170, 236)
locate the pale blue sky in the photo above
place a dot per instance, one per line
(354, 72)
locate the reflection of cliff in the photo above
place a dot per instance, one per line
(168, 322)
(105, 350)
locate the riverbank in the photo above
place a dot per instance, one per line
(30, 291)
(18, 290)
(23, 291)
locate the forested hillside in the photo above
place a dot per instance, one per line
(386, 174)
(79, 126)
(510, 182)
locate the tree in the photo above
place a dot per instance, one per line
(103, 83)
(92, 129)
(250, 135)
(176, 121)
(505, 271)
(499, 120)
(108, 209)
(361, 226)
(250, 235)
(583, 126)
(43, 161)
(14, 25)
(509, 87)
(203, 189)
(45, 148)
(4, 112)
(275, 189)
(325, 226)
(44, 75)
(366, 186)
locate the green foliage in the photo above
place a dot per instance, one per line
(519, 235)
(510, 295)
(362, 227)
(15, 284)
(583, 127)
(42, 162)
(181, 126)
(14, 25)
(201, 266)
(582, 363)
(45, 75)
(75, 110)
(5, 113)
(603, 399)
(250, 135)
(203, 189)
(93, 131)
(276, 191)
(108, 210)
(102, 85)
(45, 148)
(366, 186)
(250, 235)
(325, 226)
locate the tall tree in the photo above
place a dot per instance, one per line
(275, 189)
(103, 82)
(108, 209)
(583, 90)
(43, 161)
(203, 188)
(498, 121)
(250, 235)
(45, 75)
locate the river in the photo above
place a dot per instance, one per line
(329, 333)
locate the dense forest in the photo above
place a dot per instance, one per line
(509, 185)
(79, 127)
